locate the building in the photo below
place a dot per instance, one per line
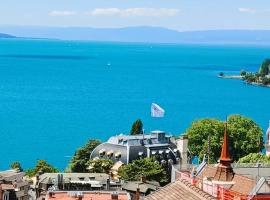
(140, 189)
(75, 182)
(97, 195)
(268, 141)
(126, 148)
(13, 186)
(179, 190)
(223, 182)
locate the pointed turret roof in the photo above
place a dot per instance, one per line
(224, 170)
(225, 154)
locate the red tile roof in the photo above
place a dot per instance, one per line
(88, 196)
(242, 184)
(179, 190)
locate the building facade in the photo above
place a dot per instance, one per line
(158, 144)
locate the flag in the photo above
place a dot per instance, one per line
(157, 111)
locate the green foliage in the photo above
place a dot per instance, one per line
(147, 167)
(244, 134)
(198, 134)
(16, 165)
(78, 163)
(221, 74)
(250, 78)
(41, 166)
(100, 165)
(243, 73)
(255, 158)
(259, 77)
(265, 68)
(137, 127)
(265, 80)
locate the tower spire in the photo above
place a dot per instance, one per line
(224, 170)
(225, 154)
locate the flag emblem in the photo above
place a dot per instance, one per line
(157, 111)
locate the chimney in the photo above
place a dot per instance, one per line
(108, 184)
(114, 196)
(51, 194)
(143, 179)
(182, 147)
(137, 195)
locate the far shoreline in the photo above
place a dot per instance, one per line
(239, 77)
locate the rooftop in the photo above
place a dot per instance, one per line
(143, 186)
(87, 195)
(179, 190)
(73, 177)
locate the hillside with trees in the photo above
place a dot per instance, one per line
(262, 77)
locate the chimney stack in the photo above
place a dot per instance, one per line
(143, 179)
(137, 195)
(114, 196)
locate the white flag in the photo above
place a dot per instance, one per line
(157, 111)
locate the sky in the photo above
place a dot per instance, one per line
(182, 15)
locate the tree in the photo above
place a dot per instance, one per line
(255, 158)
(137, 128)
(245, 137)
(198, 134)
(100, 165)
(146, 167)
(221, 74)
(41, 166)
(243, 73)
(16, 165)
(78, 163)
(265, 68)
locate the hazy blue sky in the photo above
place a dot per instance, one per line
(175, 14)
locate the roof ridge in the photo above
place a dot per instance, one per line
(198, 191)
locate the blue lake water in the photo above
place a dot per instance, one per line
(54, 95)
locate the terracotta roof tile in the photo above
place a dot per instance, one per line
(179, 190)
(209, 171)
(242, 184)
(88, 196)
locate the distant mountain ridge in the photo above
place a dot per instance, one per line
(2, 35)
(140, 34)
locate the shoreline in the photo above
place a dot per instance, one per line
(241, 78)
(231, 77)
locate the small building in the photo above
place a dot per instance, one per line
(75, 182)
(268, 141)
(140, 189)
(13, 186)
(126, 148)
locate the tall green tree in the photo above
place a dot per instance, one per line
(265, 67)
(255, 158)
(16, 165)
(78, 163)
(41, 166)
(100, 165)
(245, 137)
(198, 134)
(137, 127)
(146, 167)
